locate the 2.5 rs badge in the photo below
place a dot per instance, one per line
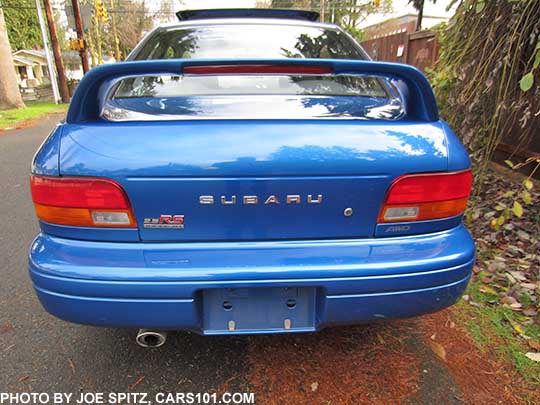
(165, 222)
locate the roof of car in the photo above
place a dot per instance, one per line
(246, 21)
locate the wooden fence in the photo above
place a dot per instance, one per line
(419, 49)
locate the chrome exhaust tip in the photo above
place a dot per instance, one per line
(151, 338)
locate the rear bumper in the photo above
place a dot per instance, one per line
(160, 285)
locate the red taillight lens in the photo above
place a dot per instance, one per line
(256, 69)
(418, 197)
(81, 201)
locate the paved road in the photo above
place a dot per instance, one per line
(43, 354)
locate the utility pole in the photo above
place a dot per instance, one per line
(52, 73)
(62, 82)
(80, 35)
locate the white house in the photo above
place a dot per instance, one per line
(31, 67)
(32, 70)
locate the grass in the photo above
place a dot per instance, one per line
(498, 329)
(34, 110)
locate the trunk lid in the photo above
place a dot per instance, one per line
(259, 174)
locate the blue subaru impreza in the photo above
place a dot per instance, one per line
(249, 171)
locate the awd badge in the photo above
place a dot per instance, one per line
(165, 221)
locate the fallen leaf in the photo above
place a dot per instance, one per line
(7, 327)
(517, 209)
(517, 327)
(487, 290)
(529, 310)
(487, 280)
(132, 386)
(71, 365)
(533, 356)
(494, 267)
(438, 349)
(534, 344)
(507, 299)
(518, 275)
(314, 386)
(523, 235)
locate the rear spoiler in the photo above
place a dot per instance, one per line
(187, 15)
(420, 103)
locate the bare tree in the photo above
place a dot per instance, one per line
(10, 97)
(135, 19)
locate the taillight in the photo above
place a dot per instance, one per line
(81, 201)
(419, 197)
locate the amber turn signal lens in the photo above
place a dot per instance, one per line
(81, 217)
(425, 211)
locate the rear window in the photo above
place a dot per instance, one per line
(301, 85)
(252, 97)
(248, 41)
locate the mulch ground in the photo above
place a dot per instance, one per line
(341, 365)
(374, 364)
(481, 376)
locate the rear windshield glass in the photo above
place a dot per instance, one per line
(252, 97)
(248, 41)
(176, 86)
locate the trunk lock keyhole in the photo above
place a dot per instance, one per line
(291, 304)
(348, 212)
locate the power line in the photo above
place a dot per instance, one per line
(108, 10)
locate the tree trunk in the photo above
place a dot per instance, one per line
(420, 16)
(10, 96)
(83, 51)
(116, 41)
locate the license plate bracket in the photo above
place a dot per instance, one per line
(259, 310)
